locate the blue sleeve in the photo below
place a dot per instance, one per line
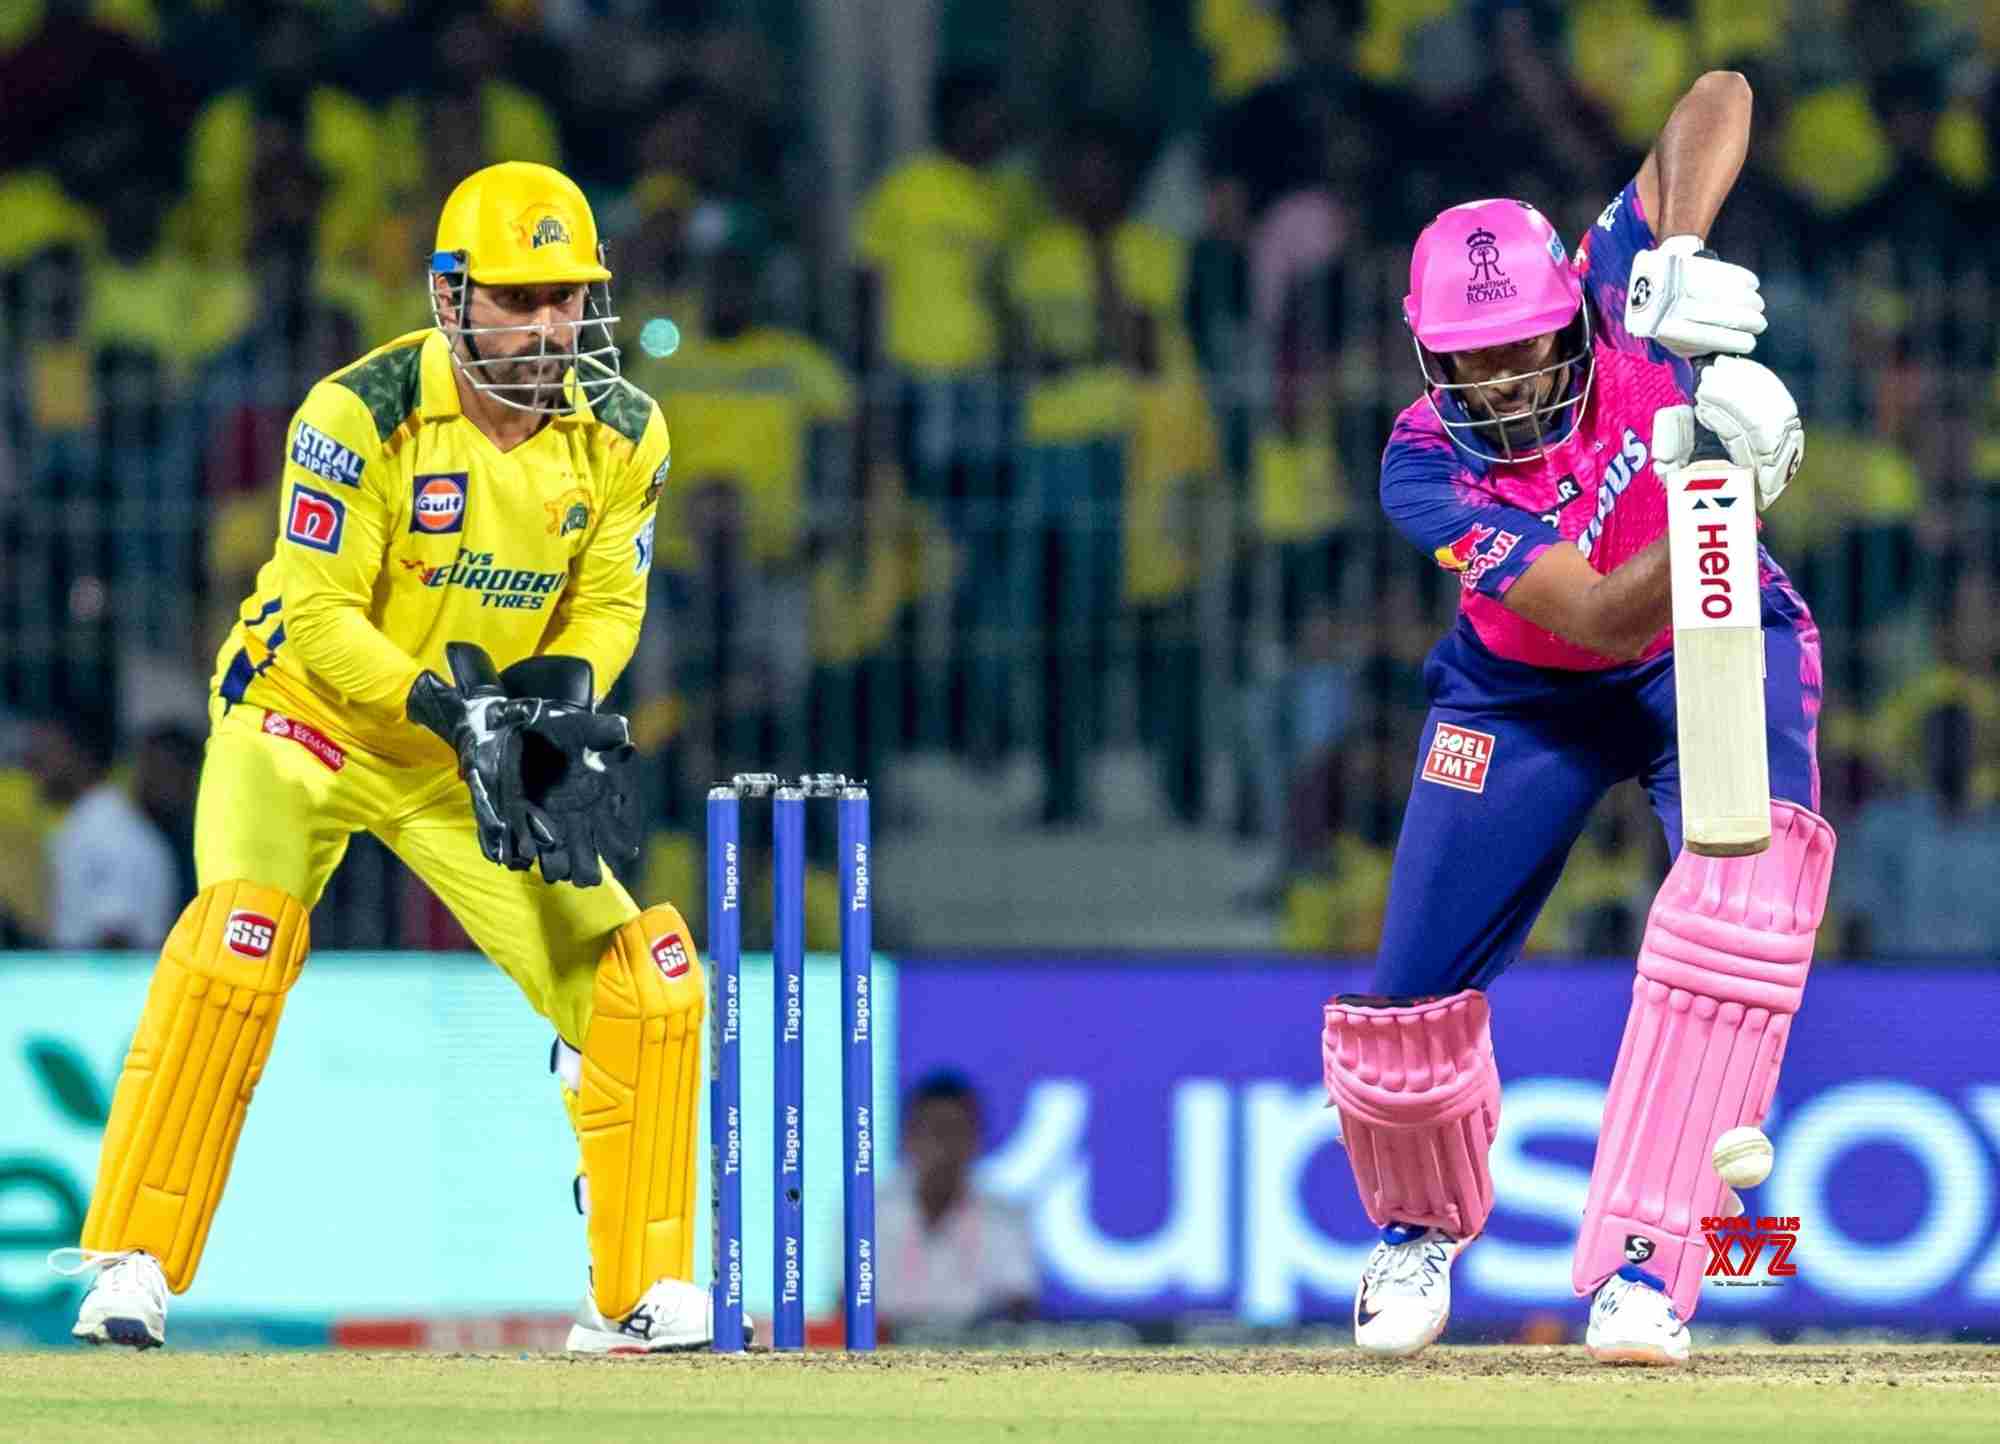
(1444, 508)
(1604, 260)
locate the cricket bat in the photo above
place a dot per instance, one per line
(1718, 654)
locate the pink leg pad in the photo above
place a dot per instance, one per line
(1721, 970)
(1419, 1099)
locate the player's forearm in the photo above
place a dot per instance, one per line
(1615, 616)
(1700, 153)
(341, 648)
(1631, 606)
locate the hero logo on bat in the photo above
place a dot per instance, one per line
(1711, 551)
(670, 956)
(1459, 757)
(249, 934)
(439, 504)
(315, 519)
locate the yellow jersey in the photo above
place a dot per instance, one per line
(401, 527)
(935, 229)
(744, 412)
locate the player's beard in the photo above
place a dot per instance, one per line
(535, 377)
(1522, 423)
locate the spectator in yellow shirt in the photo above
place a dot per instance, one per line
(929, 243)
(1097, 295)
(754, 409)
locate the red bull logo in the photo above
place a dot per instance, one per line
(1458, 556)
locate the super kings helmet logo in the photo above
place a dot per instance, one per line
(1482, 249)
(548, 231)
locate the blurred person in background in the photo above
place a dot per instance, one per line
(1094, 292)
(112, 879)
(1925, 855)
(166, 774)
(929, 244)
(758, 412)
(953, 1257)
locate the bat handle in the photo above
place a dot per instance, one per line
(1707, 445)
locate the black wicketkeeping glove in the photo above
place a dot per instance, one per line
(478, 721)
(575, 802)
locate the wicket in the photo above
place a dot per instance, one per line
(725, 926)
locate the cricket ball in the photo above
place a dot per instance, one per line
(1743, 1157)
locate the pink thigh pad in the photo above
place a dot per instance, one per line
(1419, 1099)
(1721, 971)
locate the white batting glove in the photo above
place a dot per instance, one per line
(1751, 413)
(1691, 303)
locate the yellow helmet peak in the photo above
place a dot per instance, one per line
(519, 224)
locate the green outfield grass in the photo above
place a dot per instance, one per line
(1261, 1396)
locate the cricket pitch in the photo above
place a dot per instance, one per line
(1259, 1396)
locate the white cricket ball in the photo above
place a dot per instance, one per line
(1743, 1157)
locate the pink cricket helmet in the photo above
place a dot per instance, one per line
(1488, 273)
(1491, 273)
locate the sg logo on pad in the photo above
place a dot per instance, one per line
(439, 504)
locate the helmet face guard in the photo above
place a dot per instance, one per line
(1515, 436)
(592, 357)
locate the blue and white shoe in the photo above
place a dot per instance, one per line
(1405, 1294)
(672, 1316)
(127, 1301)
(1632, 1321)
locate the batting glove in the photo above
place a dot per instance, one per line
(1752, 414)
(1691, 302)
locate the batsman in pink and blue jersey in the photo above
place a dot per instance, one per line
(1559, 401)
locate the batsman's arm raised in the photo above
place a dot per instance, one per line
(602, 608)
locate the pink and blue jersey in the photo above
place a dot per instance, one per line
(1526, 731)
(1595, 490)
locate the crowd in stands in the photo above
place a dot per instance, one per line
(1060, 439)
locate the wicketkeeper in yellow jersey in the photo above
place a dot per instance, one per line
(473, 501)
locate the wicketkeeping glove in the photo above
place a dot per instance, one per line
(575, 801)
(478, 721)
(1691, 302)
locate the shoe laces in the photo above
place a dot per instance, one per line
(129, 1269)
(1409, 1268)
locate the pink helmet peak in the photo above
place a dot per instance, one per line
(1489, 273)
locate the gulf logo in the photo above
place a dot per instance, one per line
(439, 503)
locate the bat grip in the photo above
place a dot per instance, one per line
(1707, 445)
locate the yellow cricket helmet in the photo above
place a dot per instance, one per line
(521, 224)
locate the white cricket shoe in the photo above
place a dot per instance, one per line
(1632, 1321)
(127, 1301)
(673, 1315)
(1405, 1293)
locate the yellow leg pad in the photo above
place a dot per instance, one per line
(195, 1060)
(635, 1112)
